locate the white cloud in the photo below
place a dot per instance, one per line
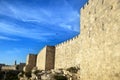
(62, 16)
(55, 16)
(7, 38)
(13, 29)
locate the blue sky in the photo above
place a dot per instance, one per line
(26, 26)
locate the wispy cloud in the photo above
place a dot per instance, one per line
(7, 38)
(13, 29)
(54, 16)
(46, 21)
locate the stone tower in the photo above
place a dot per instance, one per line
(30, 63)
(46, 58)
(15, 62)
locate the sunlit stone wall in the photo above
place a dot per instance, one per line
(10, 67)
(30, 63)
(97, 49)
(46, 58)
(41, 57)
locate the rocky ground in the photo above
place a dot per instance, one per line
(60, 74)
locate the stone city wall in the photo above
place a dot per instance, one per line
(41, 57)
(4, 68)
(21, 66)
(31, 62)
(45, 58)
(97, 49)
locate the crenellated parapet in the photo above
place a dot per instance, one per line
(66, 42)
(96, 49)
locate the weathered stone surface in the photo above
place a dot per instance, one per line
(34, 77)
(34, 69)
(97, 49)
(46, 58)
(41, 59)
(21, 66)
(30, 63)
(51, 75)
(9, 67)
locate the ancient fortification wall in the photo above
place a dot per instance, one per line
(41, 59)
(50, 58)
(97, 49)
(12, 67)
(46, 58)
(31, 62)
(21, 66)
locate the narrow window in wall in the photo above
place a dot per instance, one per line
(89, 32)
(102, 1)
(111, 7)
(103, 29)
(95, 18)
